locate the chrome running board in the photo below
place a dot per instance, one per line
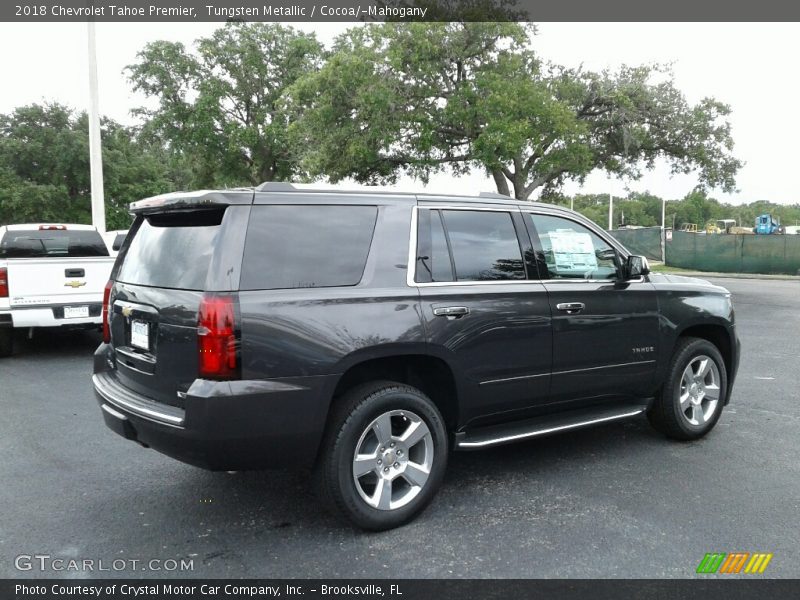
(507, 433)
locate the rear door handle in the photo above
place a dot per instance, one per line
(451, 311)
(571, 308)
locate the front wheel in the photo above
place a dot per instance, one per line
(691, 401)
(384, 456)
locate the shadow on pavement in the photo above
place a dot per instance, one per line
(59, 342)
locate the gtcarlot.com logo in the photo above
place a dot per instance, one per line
(46, 562)
(734, 562)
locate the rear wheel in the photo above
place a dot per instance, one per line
(694, 393)
(384, 456)
(6, 341)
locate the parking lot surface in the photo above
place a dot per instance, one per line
(615, 501)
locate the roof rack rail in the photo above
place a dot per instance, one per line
(276, 186)
(494, 195)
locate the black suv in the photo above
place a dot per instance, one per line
(366, 334)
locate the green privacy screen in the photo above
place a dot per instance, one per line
(645, 241)
(735, 253)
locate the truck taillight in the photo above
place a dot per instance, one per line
(3, 282)
(106, 311)
(218, 337)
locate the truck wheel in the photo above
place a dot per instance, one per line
(691, 401)
(384, 455)
(6, 341)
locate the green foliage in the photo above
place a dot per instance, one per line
(44, 167)
(260, 102)
(644, 209)
(418, 98)
(220, 107)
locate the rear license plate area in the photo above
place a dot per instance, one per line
(140, 334)
(76, 312)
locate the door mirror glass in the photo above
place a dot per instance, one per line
(636, 266)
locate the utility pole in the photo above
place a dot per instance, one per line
(95, 149)
(610, 211)
(664, 230)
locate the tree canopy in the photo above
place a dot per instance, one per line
(419, 98)
(44, 167)
(221, 104)
(260, 102)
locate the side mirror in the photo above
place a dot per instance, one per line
(118, 239)
(636, 266)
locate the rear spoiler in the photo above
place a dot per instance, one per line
(184, 200)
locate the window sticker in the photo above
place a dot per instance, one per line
(573, 252)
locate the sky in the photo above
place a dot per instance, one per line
(749, 66)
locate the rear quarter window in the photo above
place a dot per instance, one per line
(307, 246)
(171, 250)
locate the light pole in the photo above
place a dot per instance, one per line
(95, 149)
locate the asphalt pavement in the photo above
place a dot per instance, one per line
(614, 501)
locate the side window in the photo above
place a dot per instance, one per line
(305, 246)
(433, 255)
(572, 251)
(484, 245)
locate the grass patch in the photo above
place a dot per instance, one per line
(662, 268)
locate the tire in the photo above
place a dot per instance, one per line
(702, 386)
(6, 342)
(366, 422)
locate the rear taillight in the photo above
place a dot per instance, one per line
(217, 337)
(3, 282)
(106, 310)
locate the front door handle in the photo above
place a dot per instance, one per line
(571, 308)
(455, 312)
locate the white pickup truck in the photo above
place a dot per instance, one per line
(51, 276)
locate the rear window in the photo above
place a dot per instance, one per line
(484, 245)
(172, 250)
(44, 243)
(307, 246)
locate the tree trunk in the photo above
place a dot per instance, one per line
(519, 189)
(501, 182)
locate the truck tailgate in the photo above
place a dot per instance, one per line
(52, 281)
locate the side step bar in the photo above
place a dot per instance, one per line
(507, 433)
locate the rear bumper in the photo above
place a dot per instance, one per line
(52, 316)
(226, 425)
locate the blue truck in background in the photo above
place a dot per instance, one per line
(767, 224)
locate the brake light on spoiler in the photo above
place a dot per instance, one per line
(52, 227)
(218, 336)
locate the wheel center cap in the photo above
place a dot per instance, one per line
(389, 457)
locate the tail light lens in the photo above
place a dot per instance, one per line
(218, 337)
(106, 311)
(3, 282)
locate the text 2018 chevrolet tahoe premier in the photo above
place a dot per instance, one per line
(367, 334)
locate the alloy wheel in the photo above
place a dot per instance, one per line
(699, 390)
(393, 459)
